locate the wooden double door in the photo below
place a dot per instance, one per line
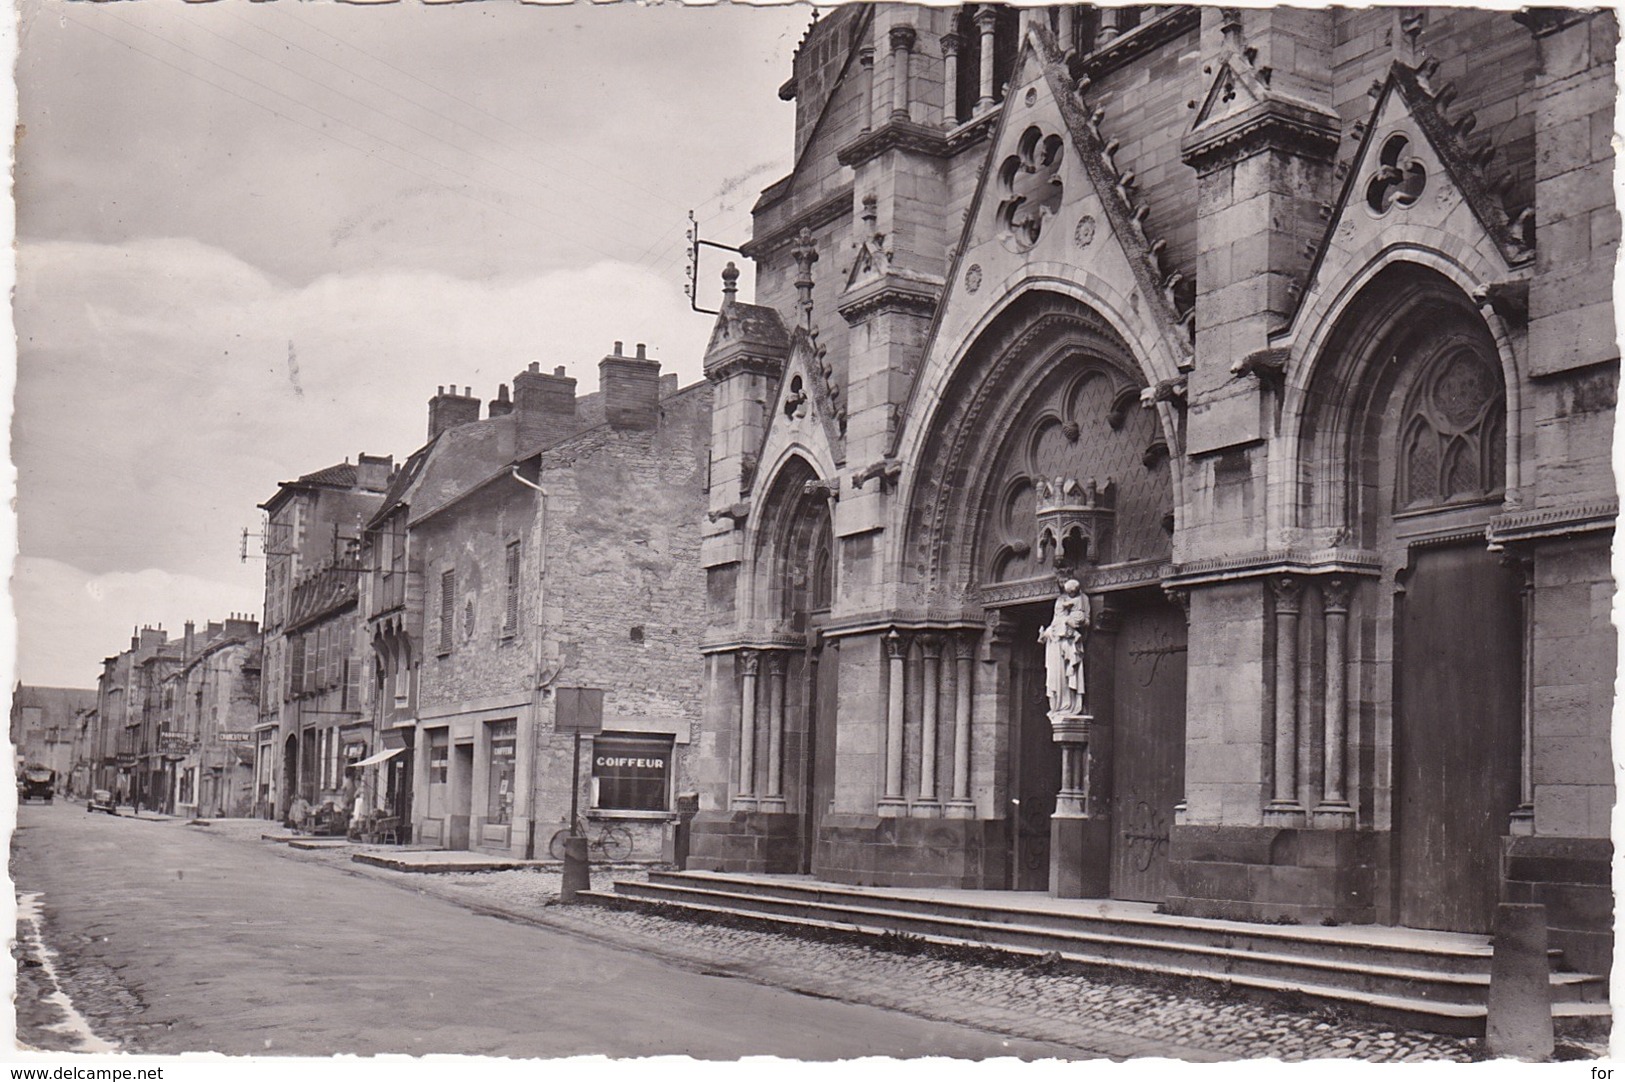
(1457, 740)
(1136, 690)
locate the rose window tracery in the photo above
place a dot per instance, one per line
(1400, 178)
(1453, 434)
(1030, 180)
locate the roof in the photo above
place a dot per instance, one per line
(341, 475)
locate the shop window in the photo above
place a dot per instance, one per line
(439, 757)
(631, 772)
(504, 740)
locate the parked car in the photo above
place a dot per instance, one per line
(36, 782)
(101, 800)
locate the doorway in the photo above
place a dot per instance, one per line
(1148, 743)
(290, 776)
(1035, 759)
(1457, 739)
(462, 795)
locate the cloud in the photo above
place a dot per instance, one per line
(156, 405)
(77, 618)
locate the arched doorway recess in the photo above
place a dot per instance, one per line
(1044, 465)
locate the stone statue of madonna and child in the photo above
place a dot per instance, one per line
(1064, 638)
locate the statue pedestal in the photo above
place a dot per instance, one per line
(1079, 838)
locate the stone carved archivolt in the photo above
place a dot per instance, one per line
(1030, 183)
(976, 467)
(1453, 434)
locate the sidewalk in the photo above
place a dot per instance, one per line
(1117, 1019)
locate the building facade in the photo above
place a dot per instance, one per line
(531, 569)
(311, 721)
(45, 727)
(1288, 335)
(211, 705)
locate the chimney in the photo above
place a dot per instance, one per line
(241, 625)
(546, 407)
(152, 638)
(448, 409)
(631, 389)
(500, 406)
(188, 636)
(372, 471)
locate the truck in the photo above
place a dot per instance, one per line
(36, 782)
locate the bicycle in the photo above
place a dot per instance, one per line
(612, 844)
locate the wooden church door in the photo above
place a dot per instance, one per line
(1457, 742)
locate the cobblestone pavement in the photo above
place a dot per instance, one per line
(1122, 1018)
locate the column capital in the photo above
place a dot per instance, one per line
(902, 38)
(931, 645)
(965, 645)
(751, 661)
(866, 56)
(951, 44)
(986, 18)
(1335, 593)
(777, 662)
(896, 644)
(1181, 596)
(1288, 591)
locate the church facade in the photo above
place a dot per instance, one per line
(1288, 335)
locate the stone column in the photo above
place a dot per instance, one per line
(892, 803)
(1284, 807)
(1063, 26)
(902, 52)
(1108, 26)
(866, 64)
(1334, 809)
(986, 20)
(930, 694)
(749, 661)
(960, 805)
(777, 663)
(950, 80)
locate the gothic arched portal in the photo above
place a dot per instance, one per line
(1044, 464)
(1409, 449)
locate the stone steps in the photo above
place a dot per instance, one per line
(1436, 981)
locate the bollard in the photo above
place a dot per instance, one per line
(688, 806)
(576, 876)
(1518, 1021)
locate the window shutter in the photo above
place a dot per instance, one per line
(448, 605)
(296, 666)
(511, 621)
(352, 684)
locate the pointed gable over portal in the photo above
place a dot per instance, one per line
(1055, 209)
(1417, 180)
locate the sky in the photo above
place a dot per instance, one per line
(254, 238)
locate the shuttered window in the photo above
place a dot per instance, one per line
(296, 666)
(510, 621)
(448, 608)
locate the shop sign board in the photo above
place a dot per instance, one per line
(236, 738)
(578, 710)
(173, 743)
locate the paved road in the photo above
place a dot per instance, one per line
(171, 941)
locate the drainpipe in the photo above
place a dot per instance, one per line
(542, 680)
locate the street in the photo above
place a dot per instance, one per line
(169, 941)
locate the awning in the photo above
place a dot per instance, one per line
(374, 760)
